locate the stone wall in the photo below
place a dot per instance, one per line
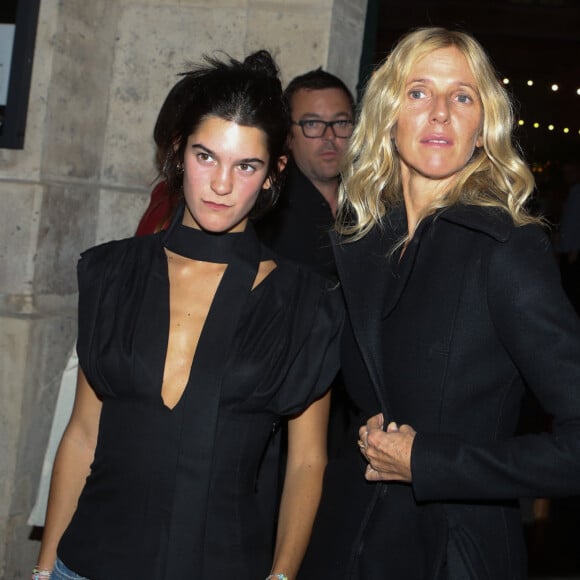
(101, 71)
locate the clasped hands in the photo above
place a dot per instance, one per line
(388, 452)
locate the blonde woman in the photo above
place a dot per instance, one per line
(455, 308)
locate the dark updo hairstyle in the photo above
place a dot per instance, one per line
(247, 93)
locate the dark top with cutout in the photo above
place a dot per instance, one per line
(172, 493)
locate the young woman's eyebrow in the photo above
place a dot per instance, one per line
(210, 152)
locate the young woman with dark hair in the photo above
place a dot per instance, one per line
(193, 344)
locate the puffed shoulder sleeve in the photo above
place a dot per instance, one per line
(541, 334)
(315, 361)
(96, 272)
(90, 278)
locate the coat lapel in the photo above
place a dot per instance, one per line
(371, 288)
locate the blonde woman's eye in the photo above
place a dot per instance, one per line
(416, 94)
(462, 98)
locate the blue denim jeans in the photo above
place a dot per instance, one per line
(61, 572)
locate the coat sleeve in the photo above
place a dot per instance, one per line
(541, 333)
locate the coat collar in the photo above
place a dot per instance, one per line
(494, 222)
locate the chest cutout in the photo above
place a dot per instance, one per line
(192, 287)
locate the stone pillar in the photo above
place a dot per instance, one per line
(101, 71)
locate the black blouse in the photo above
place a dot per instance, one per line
(172, 493)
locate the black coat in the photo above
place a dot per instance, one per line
(447, 341)
(297, 227)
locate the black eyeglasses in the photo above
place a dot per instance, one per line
(314, 128)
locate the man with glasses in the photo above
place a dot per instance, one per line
(322, 113)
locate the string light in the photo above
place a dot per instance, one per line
(550, 127)
(554, 88)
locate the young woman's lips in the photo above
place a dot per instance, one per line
(216, 206)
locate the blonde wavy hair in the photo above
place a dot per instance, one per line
(496, 176)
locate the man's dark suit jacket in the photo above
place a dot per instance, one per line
(298, 227)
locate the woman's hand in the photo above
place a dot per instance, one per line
(388, 452)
